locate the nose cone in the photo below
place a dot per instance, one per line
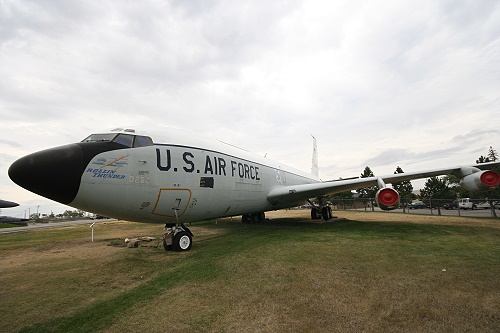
(53, 173)
(8, 204)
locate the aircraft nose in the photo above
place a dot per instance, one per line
(53, 173)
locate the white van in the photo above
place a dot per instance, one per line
(466, 203)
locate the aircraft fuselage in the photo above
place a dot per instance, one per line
(148, 183)
(181, 174)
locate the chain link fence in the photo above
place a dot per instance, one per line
(457, 207)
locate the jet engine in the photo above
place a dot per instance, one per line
(387, 198)
(481, 181)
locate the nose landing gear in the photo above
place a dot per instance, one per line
(177, 238)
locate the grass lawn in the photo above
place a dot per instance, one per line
(373, 272)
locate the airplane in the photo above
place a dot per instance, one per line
(9, 219)
(171, 176)
(7, 204)
(14, 220)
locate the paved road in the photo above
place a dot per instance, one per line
(36, 226)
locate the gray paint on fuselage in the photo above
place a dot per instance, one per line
(144, 184)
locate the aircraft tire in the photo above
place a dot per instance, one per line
(326, 212)
(182, 242)
(315, 214)
(262, 216)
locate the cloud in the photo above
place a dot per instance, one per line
(9, 143)
(379, 83)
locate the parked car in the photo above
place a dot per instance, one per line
(417, 205)
(98, 217)
(466, 203)
(486, 205)
(451, 205)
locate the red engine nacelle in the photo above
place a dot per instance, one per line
(387, 198)
(481, 181)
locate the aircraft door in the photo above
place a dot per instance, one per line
(171, 200)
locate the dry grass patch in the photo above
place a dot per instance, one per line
(54, 272)
(332, 284)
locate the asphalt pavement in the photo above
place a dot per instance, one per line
(36, 226)
(444, 212)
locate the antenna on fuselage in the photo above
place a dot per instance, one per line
(315, 167)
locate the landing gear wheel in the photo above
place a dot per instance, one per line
(315, 215)
(245, 218)
(182, 241)
(326, 212)
(261, 216)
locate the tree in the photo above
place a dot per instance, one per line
(454, 185)
(404, 188)
(482, 159)
(367, 193)
(492, 155)
(71, 213)
(435, 188)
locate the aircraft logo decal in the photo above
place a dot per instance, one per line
(278, 176)
(108, 169)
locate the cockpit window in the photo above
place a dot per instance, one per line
(142, 141)
(99, 137)
(124, 139)
(127, 140)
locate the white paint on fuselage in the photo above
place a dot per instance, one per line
(199, 177)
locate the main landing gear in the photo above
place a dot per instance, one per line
(324, 213)
(321, 212)
(177, 238)
(253, 218)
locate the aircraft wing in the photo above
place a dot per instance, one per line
(296, 193)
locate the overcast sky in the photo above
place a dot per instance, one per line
(382, 84)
